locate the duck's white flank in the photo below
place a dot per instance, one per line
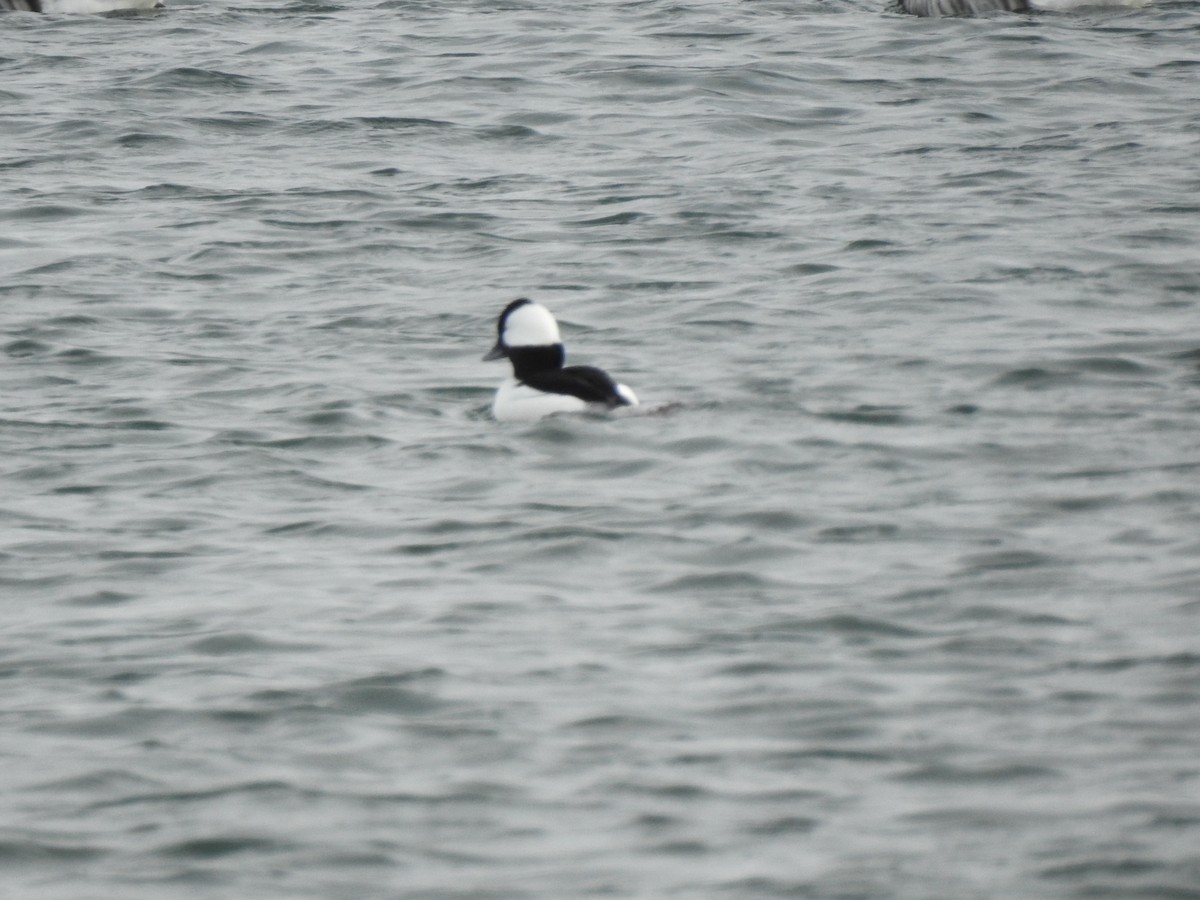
(516, 402)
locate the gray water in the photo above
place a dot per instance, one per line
(901, 600)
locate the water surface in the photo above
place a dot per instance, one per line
(901, 602)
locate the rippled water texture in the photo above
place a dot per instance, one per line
(901, 601)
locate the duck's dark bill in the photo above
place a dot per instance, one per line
(497, 352)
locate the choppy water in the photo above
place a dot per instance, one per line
(902, 603)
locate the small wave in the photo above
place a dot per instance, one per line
(221, 846)
(18, 851)
(1004, 560)
(1000, 773)
(193, 78)
(868, 415)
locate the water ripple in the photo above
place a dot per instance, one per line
(894, 599)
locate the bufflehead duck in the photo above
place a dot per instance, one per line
(77, 6)
(540, 385)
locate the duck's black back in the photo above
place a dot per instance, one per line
(588, 383)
